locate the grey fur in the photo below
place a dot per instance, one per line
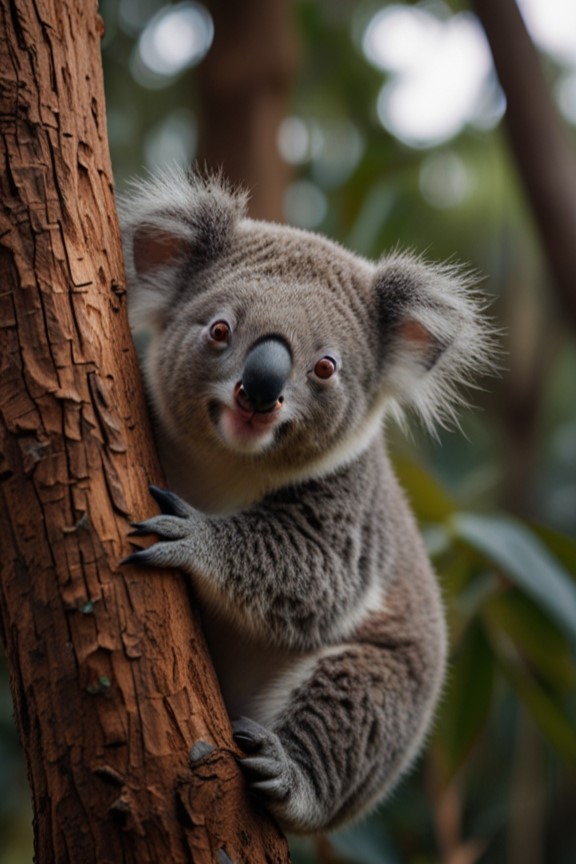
(321, 610)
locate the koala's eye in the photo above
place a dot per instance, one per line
(325, 368)
(219, 333)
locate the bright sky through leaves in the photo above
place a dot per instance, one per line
(439, 70)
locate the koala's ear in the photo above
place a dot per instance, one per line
(152, 248)
(433, 334)
(167, 219)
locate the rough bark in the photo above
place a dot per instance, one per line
(244, 86)
(539, 140)
(110, 678)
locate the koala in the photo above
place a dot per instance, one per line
(273, 357)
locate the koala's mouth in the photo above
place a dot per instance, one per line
(242, 428)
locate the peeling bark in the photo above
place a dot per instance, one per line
(111, 682)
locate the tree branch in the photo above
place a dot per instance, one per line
(539, 141)
(244, 86)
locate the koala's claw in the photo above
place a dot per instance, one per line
(139, 529)
(175, 527)
(268, 772)
(248, 734)
(165, 526)
(168, 554)
(170, 504)
(139, 557)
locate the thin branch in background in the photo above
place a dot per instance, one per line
(539, 141)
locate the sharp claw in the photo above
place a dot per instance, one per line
(247, 734)
(246, 742)
(164, 499)
(140, 530)
(139, 557)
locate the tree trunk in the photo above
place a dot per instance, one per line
(546, 161)
(111, 682)
(244, 87)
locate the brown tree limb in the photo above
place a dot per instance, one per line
(111, 682)
(539, 140)
(244, 86)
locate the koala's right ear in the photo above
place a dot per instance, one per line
(169, 219)
(436, 337)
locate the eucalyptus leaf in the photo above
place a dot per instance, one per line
(465, 708)
(548, 713)
(524, 558)
(561, 546)
(536, 636)
(427, 497)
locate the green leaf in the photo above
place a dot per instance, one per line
(465, 707)
(428, 499)
(520, 554)
(535, 635)
(548, 712)
(561, 546)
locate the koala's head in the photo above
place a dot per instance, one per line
(277, 344)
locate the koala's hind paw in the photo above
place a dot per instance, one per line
(279, 782)
(268, 769)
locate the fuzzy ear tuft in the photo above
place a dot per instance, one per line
(435, 337)
(168, 219)
(152, 249)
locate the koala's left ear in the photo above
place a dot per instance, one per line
(434, 337)
(170, 220)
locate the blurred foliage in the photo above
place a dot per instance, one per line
(501, 763)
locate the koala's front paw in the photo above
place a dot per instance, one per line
(268, 768)
(176, 525)
(170, 503)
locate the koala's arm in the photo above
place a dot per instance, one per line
(298, 569)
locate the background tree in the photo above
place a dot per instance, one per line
(244, 88)
(108, 705)
(542, 148)
(546, 162)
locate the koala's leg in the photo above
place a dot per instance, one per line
(347, 732)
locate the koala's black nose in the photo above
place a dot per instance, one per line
(266, 372)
